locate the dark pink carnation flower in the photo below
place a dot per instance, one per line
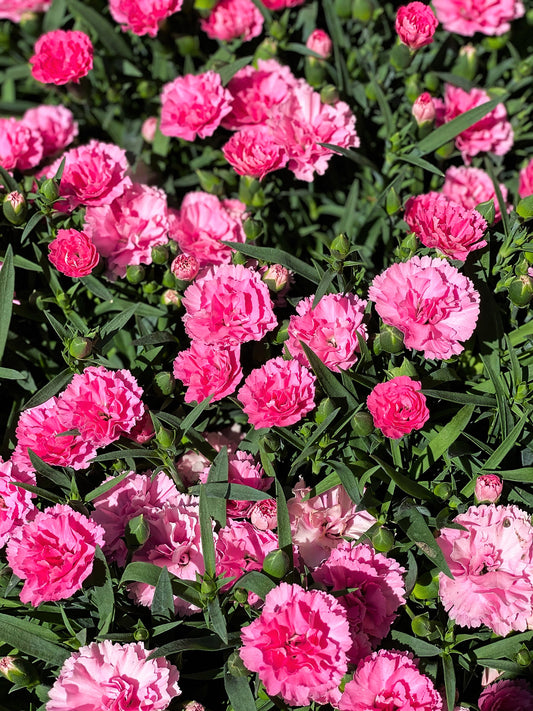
(241, 547)
(62, 56)
(298, 645)
(466, 17)
(73, 253)
(470, 187)
(390, 679)
(53, 553)
(525, 180)
(492, 566)
(194, 105)
(278, 394)
(416, 24)
(507, 695)
(21, 146)
(430, 302)
(105, 675)
(228, 306)
(16, 10)
(398, 407)
(379, 590)
(254, 152)
(230, 19)
(143, 17)
(55, 124)
(16, 505)
(208, 370)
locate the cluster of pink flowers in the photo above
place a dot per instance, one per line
(16, 10)
(16, 505)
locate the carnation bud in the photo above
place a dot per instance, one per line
(277, 30)
(443, 490)
(240, 595)
(135, 273)
(140, 633)
(488, 489)
(393, 203)
(150, 287)
(239, 258)
(383, 540)
(362, 424)
(270, 443)
(466, 63)
(171, 298)
(276, 563)
(400, 57)
(169, 280)
(524, 657)
(193, 706)
(19, 671)
(340, 247)
(160, 254)
(14, 207)
(320, 43)
(521, 290)
(49, 189)
(185, 267)
(315, 71)
(391, 339)
(208, 587)
(276, 277)
(324, 410)
(165, 437)
(329, 94)
(137, 532)
(487, 211)
(268, 49)
(362, 10)
(149, 128)
(422, 626)
(424, 109)
(188, 45)
(446, 150)
(427, 587)
(343, 9)
(63, 300)
(80, 347)
(252, 228)
(165, 382)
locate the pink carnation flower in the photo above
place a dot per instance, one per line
(143, 17)
(470, 187)
(55, 124)
(423, 109)
(62, 56)
(53, 554)
(492, 567)
(390, 679)
(438, 222)
(21, 146)
(230, 19)
(125, 231)
(320, 43)
(507, 695)
(208, 370)
(253, 152)
(73, 253)
(16, 10)
(466, 17)
(492, 134)
(430, 302)
(241, 547)
(243, 469)
(488, 488)
(416, 24)
(379, 591)
(281, 4)
(228, 306)
(194, 105)
(298, 644)
(398, 407)
(105, 675)
(525, 180)
(263, 515)
(330, 329)
(321, 523)
(16, 505)
(201, 224)
(278, 394)
(191, 466)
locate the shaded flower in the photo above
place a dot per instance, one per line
(230, 19)
(466, 17)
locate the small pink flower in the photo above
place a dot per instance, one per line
(21, 146)
(194, 105)
(525, 180)
(263, 515)
(231, 19)
(16, 10)
(320, 43)
(424, 109)
(398, 407)
(62, 56)
(253, 152)
(278, 394)
(298, 644)
(184, 267)
(416, 24)
(276, 277)
(55, 124)
(470, 187)
(507, 695)
(240, 548)
(488, 488)
(143, 17)
(208, 370)
(108, 675)
(244, 470)
(149, 128)
(73, 253)
(466, 17)
(53, 554)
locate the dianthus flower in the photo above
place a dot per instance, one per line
(253, 152)
(241, 547)
(55, 124)
(278, 394)
(415, 24)
(470, 187)
(73, 253)
(320, 43)
(21, 146)
(281, 4)
(430, 302)
(488, 488)
(398, 407)
(298, 644)
(231, 19)
(191, 466)
(16, 10)
(466, 17)
(16, 505)
(208, 370)
(525, 180)
(492, 566)
(194, 105)
(62, 56)
(143, 17)
(105, 675)
(379, 590)
(53, 553)
(228, 306)
(330, 329)
(507, 695)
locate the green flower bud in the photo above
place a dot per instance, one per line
(427, 587)
(524, 657)
(14, 207)
(276, 563)
(80, 347)
(391, 339)
(49, 189)
(271, 443)
(443, 490)
(208, 588)
(467, 63)
(393, 203)
(150, 287)
(495, 43)
(160, 254)
(63, 300)
(268, 49)
(343, 8)
(277, 30)
(521, 290)
(171, 298)
(137, 532)
(165, 437)
(141, 634)
(165, 382)
(340, 247)
(204, 4)
(400, 57)
(362, 424)
(188, 45)
(19, 671)
(315, 71)
(383, 540)
(362, 10)
(432, 82)
(252, 228)
(135, 273)
(324, 409)
(446, 150)
(168, 280)
(329, 94)
(240, 595)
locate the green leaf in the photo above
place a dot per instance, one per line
(119, 321)
(105, 487)
(206, 534)
(218, 621)
(194, 414)
(443, 439)
(54, 17)
(7, 289)
(9, 181)
(508, 443)
(230, 492)
(218, 477)
(32, 639)
(31, 224)
(107, 34)
(284, 523)
(57, 326)
(348, 480)
(405, 483)
(449, 679)
(508, 647)
(418, 531)
(149, 573)
(55, 475)
(460, 398)
(163, 600)
(208, 643)
(420, 163)
(492, 366)
(525, 207)
(277, 256)
(323, 286)
(59, 382)
(125, 454)
(102, 591)
(256, 582)
(229, 71)
(419, 647)
(96, 287)
(239, 692)
(523, 475)
(328, 381)
(10, 374)
(317, 434)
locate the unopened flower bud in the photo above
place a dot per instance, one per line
(160, 254)
(165, 437)
(240, 595)
(49, 189)
(362, 424)
(488, 489)
(263, 515)
(137, 532)
(19, 671)
(340, 247)
(320, 43)
(443, 490)
(362, 10)
(424, 109)
(14, 207)
(329, 94)
(343, 8)
(324, 410)
(422, 626)
(252, 228)
(171, 298)
(276, 563)
(149, 129)
(521, 290)
(80, 347)
(168, 280)
(135, 273)
(140, 633)
(393, 203)
(276, 277)
(185, 267)
(165, 382)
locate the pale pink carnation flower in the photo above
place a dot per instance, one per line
(40, 429)
(102, 404)
(240, 547)
(492, 134)
(263, 515)
(466, 17)
(281, 4)
(430, 302)
(136, 494)
(298, 644)
(201, 224)
(398, 407)
(507, 695)
(94, 175)
(330, 330)
(470, 187)
(149, 128)
(208, 370)
(379, 591)
(194, 105)
(253, 151)
(55, 124)
(16, 505)
(320, 523)
(525, 180)
(191, 465)
(320, 43)
(143, 17)
(488, 488)
(492, 567)
(278, 394)
(125, 231)
(303, 121)
(230, 305)
(230, 19)
(105, 675)
(53, 553)
(416, 24)
(390, 679)
(73, 253)
(21, 146)
(62, 56)
(438, 222)
(184, 267)
(423, 109)
(16, 10)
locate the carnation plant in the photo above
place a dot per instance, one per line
(266, 362)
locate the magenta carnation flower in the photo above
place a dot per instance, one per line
(228, 306)
(492, 567)
(330, 329)
(430, 302)
(72, 253)
(253, 151)
(466, 17)
(230, 19)
(278, 394)
(208, 370)
(507, 695)
(415, 24)
(242, 469)
(16, 505)
(298, 644)
(62, 56)
(53, 553)
(390, 679)
(143, 17)
(104, 675)
(398, 407)
(55, 124)
(21, 146)
(470, 187)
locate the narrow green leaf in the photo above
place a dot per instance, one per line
(418, 531)
(119, 321)
(449, 680)
(277, 256)
(163, 600)
(525, 207)
(55, 475)
(460, 398)
(32, 639)
(39, 491)
(420, 163)
(418, 646)
(508, 443)
(323, 286)
(54, 17)
(7, 288)
(406, 484)
(492, 366)
(443, 440)
(229, 71)
(256, 582)
(230, 492)
(507, 647)
(239, 692)
(102, 591)
(206, 534)
(107, 35)
(31, 224)
(127, 453)
(317, 434)
(218, 621)
(8, 181)
(96, 287)
(358, 158)
(105, 487)
(207, 643)
(59, 382)
(194, 414)
(284, 523)
(218, 478)
(348, 480)
(10, 374)
(328, 381)
(523, 476)
(156, 338)
(149, 573)
(57, 326)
